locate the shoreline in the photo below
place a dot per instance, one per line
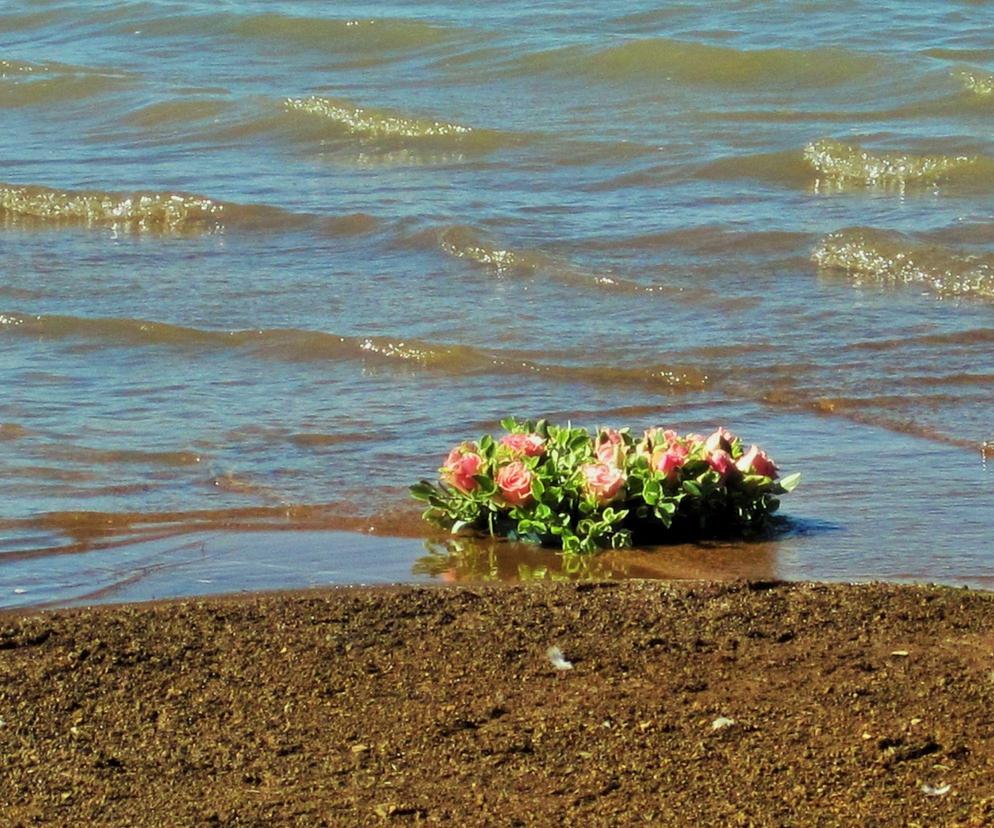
(761, 702)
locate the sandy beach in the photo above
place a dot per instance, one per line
(747, 703)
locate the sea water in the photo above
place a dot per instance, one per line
(263, 263)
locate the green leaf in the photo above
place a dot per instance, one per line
(423, 490)
(789, 483)
(692, 488)
(651, 492)
(488, 487)
(579, 439)
(532, 528)
(459, 524)
(435, 516)
(543, 512)
(663, 517)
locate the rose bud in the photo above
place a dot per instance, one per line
(755, 461)
(721, 461)
(610, 447)
(529, 445)
(462, 464)
(721, 439)
(667, 462)
(603, 481)
(515, 483)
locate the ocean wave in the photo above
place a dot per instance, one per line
(880, 257)
(365, 37)
(145, 211)
(11, 21)
(474, 246)
(151, 211)
(381, 136)
(92, 456)
(971, 338)
(16, 68)
(295, 345)
(68, 532)
(25, 84)
(373, 123)
(384, 136)
(830, 166)
(889, 415)
(349, 40)
(463, 242)
(979, 83)
(937, 104)
(835, 160)
(661, 58)
(183, 112)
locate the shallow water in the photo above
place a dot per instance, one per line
(261, 264)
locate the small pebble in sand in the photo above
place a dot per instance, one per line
(557, 659)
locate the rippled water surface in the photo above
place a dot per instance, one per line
(261, 263)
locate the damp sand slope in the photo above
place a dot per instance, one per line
(700, 704)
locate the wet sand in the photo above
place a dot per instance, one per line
(694, 704)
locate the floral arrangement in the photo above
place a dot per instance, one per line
(563, 486)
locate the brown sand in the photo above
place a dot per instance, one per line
(699, 704)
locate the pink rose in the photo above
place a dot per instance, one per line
(656, 436)
(668, 461)
(530, 445)
(603, 480)
(647, 444)
(755, 461)
(722, 439)
(460, 467)
(610, 448)
(721, 461)
(661, 437)
(651, 435)
(515, 483)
